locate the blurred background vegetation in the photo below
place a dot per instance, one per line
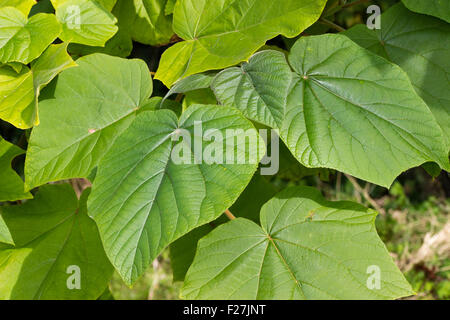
(414, 213)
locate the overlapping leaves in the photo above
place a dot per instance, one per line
(93, 103)
(437, 8)
(144, 198)
(220, 33)
(11, 185)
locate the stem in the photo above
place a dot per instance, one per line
(229, 215)
(331, 11)
(354, 3)
(331, 24)
(365, 194)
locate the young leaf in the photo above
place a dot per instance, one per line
(259, 88)
(355, 112)
(11, 185)
(17, 96)
(22, 5)
(306, 248)
(222, 33)
(191, 83)
(144, 198)
(420, 46)
(55, 242)
(5, 235)
(145, 21)
(85, 22)
(437, 8)
(22, 39)
(21, 89)
(93, 104)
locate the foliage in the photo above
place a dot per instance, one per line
(78, 98)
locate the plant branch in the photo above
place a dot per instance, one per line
(354, 3)
(365, 193)
(229, 215)
(331, 24)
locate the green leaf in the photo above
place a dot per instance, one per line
(191, 83)
(420, 46)
(53, 61)
(85, 22)
(145, 21)
(200, 96)
(93, 104)
(350, 110)
(170, 6)
(17, 96)
(248, 205)
(107, 4)
(259, 88)
(5, 235)
(221, 33)
(53, 235)
(21, 88)
(143, 198)
(307, 248)
(22, 5)
(11, 186)
(437, 8)
(22, 39)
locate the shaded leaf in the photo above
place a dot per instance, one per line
(53, 236)
(11, 185)
(437, 8)
(144, 20)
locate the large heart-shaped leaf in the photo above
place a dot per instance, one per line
(22, 5)
(23, 40)
(145, 21)
(144, 198)
(306, 248)
(11, 185)
(93, 104)
(221, 33)
(85, 22)
(351, 110)
(437, 8)
(258, 88)
(420, 45)
(53, 236)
